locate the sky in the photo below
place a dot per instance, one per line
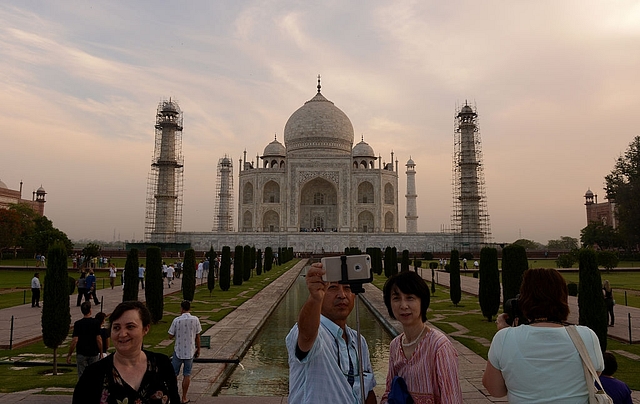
(554, 83)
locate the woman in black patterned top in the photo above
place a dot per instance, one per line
(130, 375)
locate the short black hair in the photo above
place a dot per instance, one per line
(186, 305)
(610, 364)
(409, 283)
(100, 317)
(123, 307)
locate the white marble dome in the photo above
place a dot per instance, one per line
(363, 149)
(318, 126)
(274, 149)
(3, 185)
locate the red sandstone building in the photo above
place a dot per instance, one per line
(603, 212)
(10, 197)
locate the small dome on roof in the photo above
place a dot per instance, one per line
(274, 148)
(363, 149)
(466, 110)
(41, 190)
(3, 185)
(588, 193)
(410, 162)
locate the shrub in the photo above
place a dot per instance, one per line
(468, 256)
(238, 272)
(130, 290)
(268, 259)
(154, 285)
(189, 274)
(72, 285)
(246, 263)
(591, 306)
(565, 261)
(56, 318)
(489, 286)
(404, 262)
(514, 263)
(454, 278)
(573, 288)
(608, 259)
(433, 265)
(225, 268)
(259, 262)
(388, 262)
(211, 276)
(427, 256)
(417, 264)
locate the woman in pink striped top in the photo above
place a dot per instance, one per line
(424, 357)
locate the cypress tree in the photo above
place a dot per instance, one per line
(56, 318)
(388, 262)
(433, 281)
(246, 263)
(189, 275)
(211, 276)
(514, 263)
(225, 268)
(394, 260)
(154, 284)
(238, 266)
(455, 292)
(268, 259)
(259, 262)
(591, 306)
(253, 258)
(489, 287)
(404, 263)
(130, 290)
(378, 260)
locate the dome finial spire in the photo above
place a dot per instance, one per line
(319, 86)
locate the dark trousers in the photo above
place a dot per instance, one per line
(35, 297)
(92, 294)
(141, 282)
(82, 292)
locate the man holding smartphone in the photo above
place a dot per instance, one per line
(323, 350)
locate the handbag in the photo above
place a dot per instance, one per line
(595, 396)
(399, 393)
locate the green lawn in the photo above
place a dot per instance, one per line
(208, 307)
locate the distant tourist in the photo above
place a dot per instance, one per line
(35, 290)
(112, 275)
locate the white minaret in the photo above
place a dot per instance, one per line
(412, 209)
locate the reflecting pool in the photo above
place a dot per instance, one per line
(264, 370)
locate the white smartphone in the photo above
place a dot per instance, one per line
(358, 269)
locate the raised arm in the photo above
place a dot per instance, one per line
(309, 316)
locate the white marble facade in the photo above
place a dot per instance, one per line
(318, 181)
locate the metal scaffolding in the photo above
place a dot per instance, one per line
(223, 216)
(470, 218)
(165, 180)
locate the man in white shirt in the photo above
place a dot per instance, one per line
(112, 275)
(35, 290)
(170, 272)
(186, 330)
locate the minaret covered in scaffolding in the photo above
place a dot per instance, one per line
(470, 219)
(164, 185)
(223, 219)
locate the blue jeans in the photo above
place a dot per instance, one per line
(84, 361)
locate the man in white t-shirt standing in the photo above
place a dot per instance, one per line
(186, 330)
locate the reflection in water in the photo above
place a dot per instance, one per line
(266, 370)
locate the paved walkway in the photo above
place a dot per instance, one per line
(240, 326)
(26, 319)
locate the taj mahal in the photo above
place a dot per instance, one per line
(317, 192)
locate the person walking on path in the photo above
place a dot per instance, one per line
(112, 275)
(186, 330)
(82, 288)
(170, 272)
(86, 336)
(141, 275)
(608, 299)
(35, 290)
(91, 287)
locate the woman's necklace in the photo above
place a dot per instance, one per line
(408, 344)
